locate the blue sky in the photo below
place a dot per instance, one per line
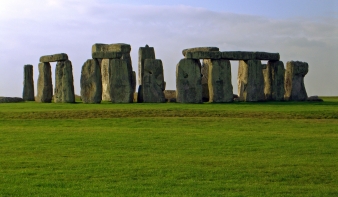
(304, 30)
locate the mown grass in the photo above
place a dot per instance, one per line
(238, 149)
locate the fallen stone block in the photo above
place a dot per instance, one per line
(203, 49)
(294, 81)
(91, 82)
(11, 99)
(314, 99)
(188, 81)
(54, 58)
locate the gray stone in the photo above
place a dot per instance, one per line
(294, 81)
(64, 83)
(11, 100)
(54, 58)
(91, 82)
(203, 55)
(203, 49)
(140, 94)
(133, 81)
(314, 99)
(248, 55)
(45, 86)
(105, 80)
(118, 47)
(143, 54)
(28, 84)
(170, 95)
(250, 81)
(121, 87)
(153, 81)
(219, 81)
(188, 81)
(107, 55)
(274, 81)
(205, 76)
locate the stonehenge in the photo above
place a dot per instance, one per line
(203, 75)
(294, 81)
(28, 84)
(91, 82)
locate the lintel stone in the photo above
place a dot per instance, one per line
(106, 55)
(204, 49)
(248, 55)
(203, 55)
(54, 58)
(118, 47)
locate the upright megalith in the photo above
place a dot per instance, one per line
(143, 54)
(294, 81)
(153, 81)
(105, 80)
(219, 81)
(45, 86)
(274, 81)
(90, 82)
(205, 76)
(250, 81)
(133, 81)
(28, 84)
(121, 87)
(188, 81)
(64, 83)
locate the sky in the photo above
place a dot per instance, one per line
(300, 30)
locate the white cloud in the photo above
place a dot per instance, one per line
(46, 27)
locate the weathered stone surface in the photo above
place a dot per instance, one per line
(203, 49)
(28, 84)
(133, 81)
(188, 81)
(64, 83)
(91, 82)
(106, 55)
(121, 87)
(140, 94)
(274, 81)
(294, 81)
(250, 81)
(54, 58)
(153, 81)
(170, 95)
(10, 99)
(118, 47)
(219, 81)
(203, 55)
(248, 55)
(205, 76)
(143, 54)
(45, 86)
(105, 80)
(314, 99)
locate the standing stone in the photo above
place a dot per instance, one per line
(205, 76)
(294, 81)
(121, 87)
(143, 54)
(91, 83)
(105, 80)
(45, 86)
(64, 83)
(250, 81)
(153, 81)
(274, 81)
(219, 81)
(28, 84)
(133, 82)
(188, 81)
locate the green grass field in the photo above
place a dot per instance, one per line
(171, 149)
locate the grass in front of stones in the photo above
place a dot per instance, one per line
(237, 149)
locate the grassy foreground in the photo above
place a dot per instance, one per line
(237, 149)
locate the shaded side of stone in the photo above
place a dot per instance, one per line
(153, 81)
(91, 82)
(28, 84)
(203, 49)
(205, 76)
(248, 55)
(219, 81)
(140, 94)
(105, 80)
(107, 55)
(294, 81)
(203, 55)
(54, 58)
(64, 83)
(133, 81)
(121, 88)
(188, 81)
(45, 86)
(143, 54)
(277, 71)
(11, 99)
(250, 81)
